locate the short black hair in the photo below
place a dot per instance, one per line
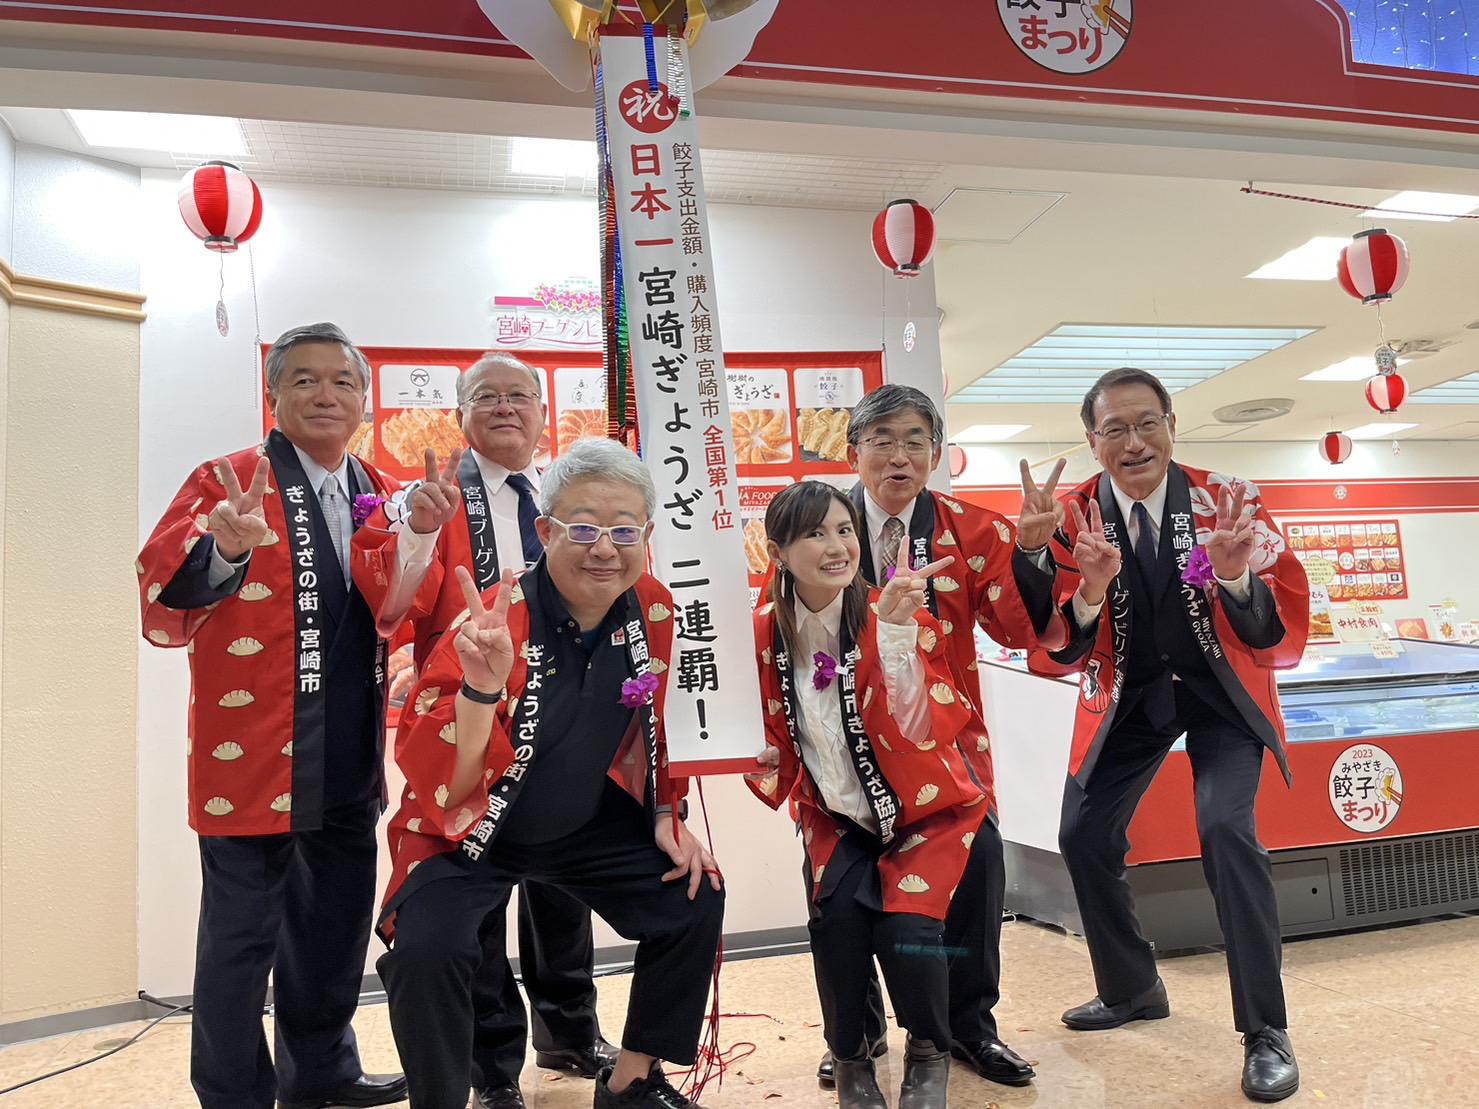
(1125, 375)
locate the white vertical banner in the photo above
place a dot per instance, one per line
(713, 713)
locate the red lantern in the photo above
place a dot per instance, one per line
(221, 205)
(1386, 392)
(904, 237)
(957, 460)
(1335, 447)
(1373, 268)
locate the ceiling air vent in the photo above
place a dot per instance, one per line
(1254, 411)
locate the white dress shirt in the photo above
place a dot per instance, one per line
(221, 571)
(414, 549)
(1155, 507)
(820, 730)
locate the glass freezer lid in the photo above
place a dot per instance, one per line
(1420, 661)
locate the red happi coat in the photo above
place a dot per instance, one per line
(941, 805)
(980, 588)
(1245, 673)
(421, 828)
(438, 599)
(242, 657)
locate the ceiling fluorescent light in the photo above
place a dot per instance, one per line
(1358, 368)
(1313, 261)
(162, 131)
(989, 433)
(1446, 207)
(553, 158)
(1377, 430)
(1461, 390)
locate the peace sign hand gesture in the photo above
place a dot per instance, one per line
(1098, 559)
(903, 596)
(437, 499)
(1042, 514)
(237, 524)
(483, 642)
(1231, 543)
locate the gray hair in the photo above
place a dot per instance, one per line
(888, 400)
(277, 355)
(494, 361)
(596, 458)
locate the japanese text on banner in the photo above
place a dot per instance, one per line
(713, 702)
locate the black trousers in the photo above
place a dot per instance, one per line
(849, 929)
(556, 960)
(298, 905)
(1226, 761)
(613, 866)
(972, 945)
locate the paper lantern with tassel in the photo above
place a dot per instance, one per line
(1335, 447)
(1373, 268)
(221, 205)
(1386, 392)
(904, 237)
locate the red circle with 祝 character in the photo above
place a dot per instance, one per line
(647, 111)
(1365, 788)
(1068, 36)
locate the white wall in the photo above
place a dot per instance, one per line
(7, 190)
(76, 218)
(409, 268)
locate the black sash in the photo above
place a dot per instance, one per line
(313, 631)
(479, 523)
(881, 796)
(527, 718)
(920, 540)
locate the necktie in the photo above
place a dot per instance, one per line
(893, 538)
(328, 499)
(528, 513)
(1145, 545)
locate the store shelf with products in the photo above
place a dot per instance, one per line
(1381, 823)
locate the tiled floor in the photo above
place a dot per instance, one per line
(1380, 1019)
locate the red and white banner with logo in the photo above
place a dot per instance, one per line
(713, 710)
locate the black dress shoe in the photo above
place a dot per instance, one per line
(994, 1061)
(857, 1086)
(367, 1089)
(926, 1076)
(652, 1092)
(498, 1097)
(584, 1061)
(1096, 1015)
(827, 1080)
(1269, 1070)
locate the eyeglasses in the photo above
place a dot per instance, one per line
(486, 401)
(623, 535)
(887, 444)
(1118, 433)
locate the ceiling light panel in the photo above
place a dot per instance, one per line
(989, 433)
(1060, 367)
(1311, 261)
(1378, 430)
(1358, 368)
(1436, 207)
(162, 131)
(1462, 390)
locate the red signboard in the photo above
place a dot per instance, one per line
(1255, 57)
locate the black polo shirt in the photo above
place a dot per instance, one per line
(582, 717)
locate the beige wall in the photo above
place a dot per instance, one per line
(68, 657)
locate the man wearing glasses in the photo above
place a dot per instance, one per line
(1002, 577)
(1184, 601)
(533, 747)
(411, 575)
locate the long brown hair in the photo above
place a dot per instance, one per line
(797, 510)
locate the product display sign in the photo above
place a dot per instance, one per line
(1356, 560)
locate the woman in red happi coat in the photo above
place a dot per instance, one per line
(860, 715)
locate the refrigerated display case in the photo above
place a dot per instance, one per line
(1380, 825)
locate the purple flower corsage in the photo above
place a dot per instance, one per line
(364, 507)
(1198, 572)
(638, 691)
(826, 670)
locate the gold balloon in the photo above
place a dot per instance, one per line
(582, 17)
